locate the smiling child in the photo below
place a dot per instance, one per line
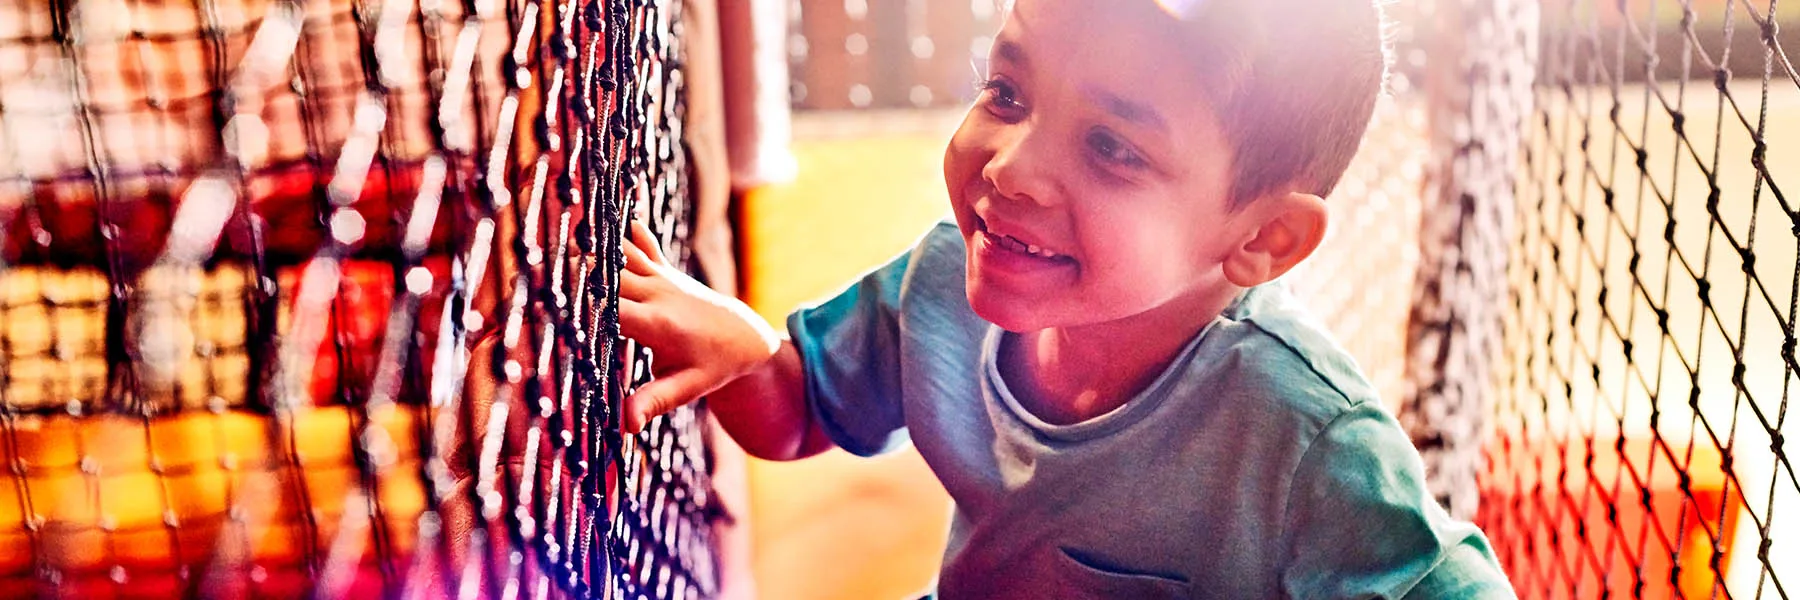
(1094, 358)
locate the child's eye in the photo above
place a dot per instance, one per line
(1114, 150)
(1002, 99)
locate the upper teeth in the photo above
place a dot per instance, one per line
(1032, 249)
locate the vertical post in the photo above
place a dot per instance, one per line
(706, 136)
(1482, 59)
(754, 51)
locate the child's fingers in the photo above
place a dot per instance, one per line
(636, 287)
(646, 241)
(659, 396)
(636, 261)
(635, 319)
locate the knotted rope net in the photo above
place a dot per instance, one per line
(1641, 433)
(318, 298)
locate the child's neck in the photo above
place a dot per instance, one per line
(1067, 375)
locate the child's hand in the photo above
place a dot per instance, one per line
(702, 340)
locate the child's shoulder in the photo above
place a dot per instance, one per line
(935, 267)
(1268, 346)
(943, 243)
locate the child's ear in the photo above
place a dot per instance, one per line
(1288, 227)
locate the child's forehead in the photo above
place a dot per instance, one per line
(1181, 33)
(1110, 16)
(1131, 46)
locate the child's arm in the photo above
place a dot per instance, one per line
(766, 410)
(708, 344)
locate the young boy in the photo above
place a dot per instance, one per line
(1090, 359)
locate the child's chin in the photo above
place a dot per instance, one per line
(1007, 312)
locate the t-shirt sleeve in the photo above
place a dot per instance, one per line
(1360, 523)
(850, 350)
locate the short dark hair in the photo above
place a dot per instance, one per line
(1296, 84)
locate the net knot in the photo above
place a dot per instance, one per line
(593, 17)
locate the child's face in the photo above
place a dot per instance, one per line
(1094, 142)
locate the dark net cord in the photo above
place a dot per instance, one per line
(321, 300)
(1651, 338)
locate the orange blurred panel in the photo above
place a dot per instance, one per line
(148, 498)
(1618, 506)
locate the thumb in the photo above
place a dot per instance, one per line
(661, 395)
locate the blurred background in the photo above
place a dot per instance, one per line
(310, 297)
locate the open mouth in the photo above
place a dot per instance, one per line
(1015, 245)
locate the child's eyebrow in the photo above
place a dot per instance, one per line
(1010, 51)
(1127, 110)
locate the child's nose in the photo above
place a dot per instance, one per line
(1018, 169)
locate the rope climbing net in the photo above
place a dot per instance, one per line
(1649, 356)
(318, 297)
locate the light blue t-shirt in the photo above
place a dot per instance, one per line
(1260, 464)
